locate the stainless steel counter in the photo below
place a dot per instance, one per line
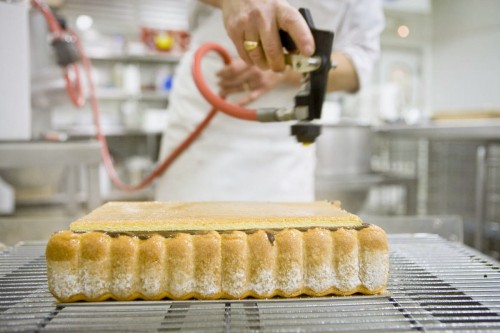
(471, 129)
(71, 154)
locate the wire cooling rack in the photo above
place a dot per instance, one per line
(434, 285)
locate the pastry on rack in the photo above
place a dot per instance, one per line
(213, 250)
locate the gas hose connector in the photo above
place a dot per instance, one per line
(266, 115)
(66, 50)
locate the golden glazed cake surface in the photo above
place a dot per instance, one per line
(344, 258)
(199, 216)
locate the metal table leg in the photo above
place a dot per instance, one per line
(481, 179)
(94, 194)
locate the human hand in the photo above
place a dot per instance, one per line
(240, 77)
(259, 21)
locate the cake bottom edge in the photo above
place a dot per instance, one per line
(305, 292)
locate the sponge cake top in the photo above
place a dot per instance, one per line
(219, 216)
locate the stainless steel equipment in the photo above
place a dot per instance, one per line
(343, 170)
(435, 285)
(31, 82)
(344, 150)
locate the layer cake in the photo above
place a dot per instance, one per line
(213, 250)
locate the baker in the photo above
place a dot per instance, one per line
(240, 160)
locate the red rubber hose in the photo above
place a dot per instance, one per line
(74, 89)
(52, 22)
(217, 101)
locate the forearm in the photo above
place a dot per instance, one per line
(344, 76)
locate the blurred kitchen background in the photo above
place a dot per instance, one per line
(421, 143)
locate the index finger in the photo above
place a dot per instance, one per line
(236, 67)
(289, 19)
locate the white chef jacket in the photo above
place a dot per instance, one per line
(238, 160)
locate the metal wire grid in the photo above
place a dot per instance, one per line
(434, 285)
(452, 179)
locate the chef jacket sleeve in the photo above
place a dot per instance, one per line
(358, 36)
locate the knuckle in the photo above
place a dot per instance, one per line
(273, 51)
(275, 58)
(289, 21)
(254, 14)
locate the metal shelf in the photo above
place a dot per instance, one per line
(144, 58)
(85, 132)
(118, 95)
(471, 129)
